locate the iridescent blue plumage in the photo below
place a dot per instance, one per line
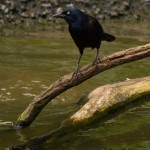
(85, 30)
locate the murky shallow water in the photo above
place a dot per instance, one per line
(31, 62)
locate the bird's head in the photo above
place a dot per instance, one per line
(72, 15)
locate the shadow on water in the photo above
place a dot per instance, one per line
(30, 63)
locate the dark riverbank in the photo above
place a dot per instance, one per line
(31, 12)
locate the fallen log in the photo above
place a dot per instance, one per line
(70, 80)
(101, 103)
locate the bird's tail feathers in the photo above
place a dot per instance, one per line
(107, 37)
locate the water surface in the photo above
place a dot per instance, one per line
(30, 62)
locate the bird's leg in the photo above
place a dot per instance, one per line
(78, 66)
(97, 59)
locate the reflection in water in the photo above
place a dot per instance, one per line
(22, 137)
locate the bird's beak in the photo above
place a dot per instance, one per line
(58, 16)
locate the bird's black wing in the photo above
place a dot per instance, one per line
(87, 34)
(95, 27)
(95, 32)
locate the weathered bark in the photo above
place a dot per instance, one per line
(110, 97)
(101, 102)
(70, 80)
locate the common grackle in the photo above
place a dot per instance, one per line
(85, 30)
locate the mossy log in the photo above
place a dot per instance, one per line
(110, 97)
(101, 103)
(71, 80)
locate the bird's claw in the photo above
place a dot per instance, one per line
(97, 60)
(77, 72)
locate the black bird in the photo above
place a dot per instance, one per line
(85, 30)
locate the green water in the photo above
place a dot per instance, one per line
(30, 62)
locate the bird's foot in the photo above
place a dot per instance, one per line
(96, 61)
(77, 72)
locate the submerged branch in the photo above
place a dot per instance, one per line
(70, 80)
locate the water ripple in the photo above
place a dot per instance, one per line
(29, 95)
(5, 122)
(20, 87)
(35, 81)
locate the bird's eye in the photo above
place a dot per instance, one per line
(68, 13)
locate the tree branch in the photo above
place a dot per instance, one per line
(70, 80)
